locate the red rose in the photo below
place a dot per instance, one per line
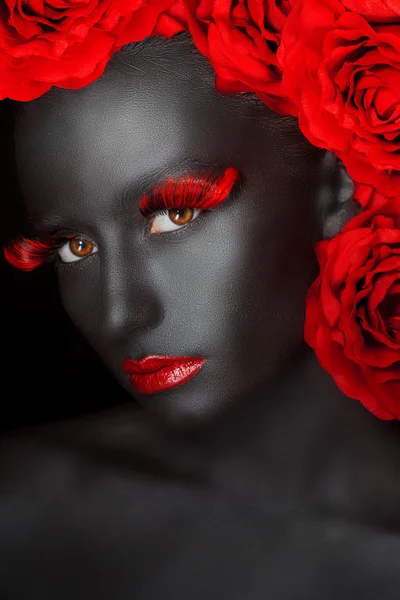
(353, 308)
(66, 42)
(368, 197)
(241, 38)
(344, 74)
(169, 22)
(375, 10)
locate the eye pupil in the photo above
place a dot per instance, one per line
(80, 247)
(181, 216)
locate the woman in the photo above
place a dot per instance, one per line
(182, 222)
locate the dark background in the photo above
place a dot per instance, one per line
(48, 370)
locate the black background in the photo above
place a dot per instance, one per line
(48, 370)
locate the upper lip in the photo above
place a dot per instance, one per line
(154, 362)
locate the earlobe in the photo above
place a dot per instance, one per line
(335, 197)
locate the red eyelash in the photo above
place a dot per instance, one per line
(193, 191)
(26, 254)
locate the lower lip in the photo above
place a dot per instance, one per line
(165, 378)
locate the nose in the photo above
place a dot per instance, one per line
(128, 296)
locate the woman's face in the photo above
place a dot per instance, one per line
(229, 286)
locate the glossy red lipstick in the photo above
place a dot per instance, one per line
(155, 374)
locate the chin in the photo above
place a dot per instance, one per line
(184, 407)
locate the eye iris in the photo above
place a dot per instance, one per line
(181, 216)
(80, 247)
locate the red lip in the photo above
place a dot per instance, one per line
(155, 374)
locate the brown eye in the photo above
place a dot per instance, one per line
(76, 249)
(181, 216)
(80, 247)
(173, 218)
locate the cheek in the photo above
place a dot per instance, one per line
(237, 288)
(262, 283)
(80, 293)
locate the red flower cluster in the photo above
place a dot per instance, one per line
(241, 38)
(334, 63)
(341, 68)
(353, 308)
(66, 43)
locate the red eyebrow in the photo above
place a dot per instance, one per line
(203, 191)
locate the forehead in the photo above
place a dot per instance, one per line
(128, 129)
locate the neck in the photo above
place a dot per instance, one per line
(310, 444)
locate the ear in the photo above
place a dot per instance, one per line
(335, 197)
